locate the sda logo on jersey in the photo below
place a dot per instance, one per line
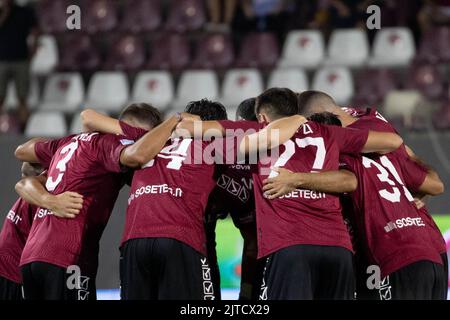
(385, 289)
(208, 288)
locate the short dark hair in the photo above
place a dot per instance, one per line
(144, 113)
(246, 110)
(309, 98)
(277, 102)
(326, 118)
(207, 109)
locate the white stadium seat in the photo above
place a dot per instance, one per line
(393, 47)
(294, 79)
(240, 84)
(63, 92)
(336, 81)
(75, 124)
(46, 57)
(402, 103)
(303, 48)
(108, 91)
(46, 124)
(348, 47)
(154, 87)
(195, 85)
(33, 96)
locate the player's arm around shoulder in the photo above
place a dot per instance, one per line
(65, 205)
(95, 121)
(382, 142)
(26, 151)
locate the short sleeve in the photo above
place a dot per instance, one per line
(108, 148)
(131, 132)
(413, 173)
(45, 150)
(349, 140)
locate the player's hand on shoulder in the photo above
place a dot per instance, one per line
(284, 183)
(67, 205)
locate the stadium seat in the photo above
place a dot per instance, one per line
(372, 85)
(336, 81)
(427, 79)
(294, 79)
(348, 47)
(195, 85)
(108, 91)
(155, 87)
(435, 46)
(402, 103)
(441, 119)
(170, 51)
(63, 92)
(99, 15)
(240, 84)
(46, 124)
(213, 51)
(258, 50)
(141, 16)
(186, 15)
(126, 53)
(303, 48)
(33, 96)
(79, 54)
(46, 57)
(393, 47)
(52, 15)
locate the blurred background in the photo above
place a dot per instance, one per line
(169, 52)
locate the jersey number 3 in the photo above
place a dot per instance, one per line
(68, 151)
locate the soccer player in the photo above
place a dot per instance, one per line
(163, 250)
(233, 195)
(302, 236)
(15, 231)
(389, 231)
(60, 257)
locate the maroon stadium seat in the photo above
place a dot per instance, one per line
(78, 53)
(99, 15)
(372, 85)
(258, 50)
(213, 51)
(52, 15)
(441, 119)
(141, 16)
(427, 79)
(186, 15)
(169, 51)
(126, 53)
(435, 46)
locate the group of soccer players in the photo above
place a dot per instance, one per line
(322, 195)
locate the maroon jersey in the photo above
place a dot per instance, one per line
(89, 164)
(385, 217)
(303, 216)
(169, 194)
(13, 237)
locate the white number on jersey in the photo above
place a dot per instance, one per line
(302, 143)
(69, 150)
(394, 195)
(177, 152)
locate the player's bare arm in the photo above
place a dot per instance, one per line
(95, 121)
(338, 181)
(147, 147)
(25, 152)
(432, 185)
(64, 205)
(382, 142)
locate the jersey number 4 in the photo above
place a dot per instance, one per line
(68, 152)
(384, 168)
(176, 152)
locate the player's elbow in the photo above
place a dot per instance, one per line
(133, 158)
(20, 153)
(437, 188)
(395, 142)
(20, 185)
(86, 117)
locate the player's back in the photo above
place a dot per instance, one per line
(305, 216)
(88, 164)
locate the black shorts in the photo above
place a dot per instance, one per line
(45, 281)
(445, 282)
(306, 272)
(10, 290)
(421, 280)
(164, 269)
